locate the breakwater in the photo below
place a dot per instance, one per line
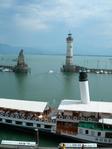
(77, 69)
(7, 66)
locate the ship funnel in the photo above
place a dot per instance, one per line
(84, 87)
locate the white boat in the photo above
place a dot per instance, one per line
(97, 72)
(6, 70)
(84, 120)
(51, 71)
(88, 70)
(105, 72)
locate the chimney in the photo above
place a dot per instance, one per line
(84, 87)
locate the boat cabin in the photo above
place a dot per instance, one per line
(71, 112)
(24, 113)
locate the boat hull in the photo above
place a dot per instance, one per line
(60, 137)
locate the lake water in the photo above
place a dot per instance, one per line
(47, 83)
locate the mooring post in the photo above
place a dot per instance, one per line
(82, 146)
(37, 136)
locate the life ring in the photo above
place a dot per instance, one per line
(74, 118)
(68, 117)
(89, 119)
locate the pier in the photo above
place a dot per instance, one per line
(77, 69)
(5, 66)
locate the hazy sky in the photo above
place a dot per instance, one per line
(46, 23)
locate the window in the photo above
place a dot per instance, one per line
(18, 123)
(99, 133)
(38, 125)
(86, 131)
(48, 126)
(105, 140)
(29, 124)
(0, 119)
(108, 135)
(8, 121)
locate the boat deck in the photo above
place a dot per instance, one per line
(26, 110)
(47, 116)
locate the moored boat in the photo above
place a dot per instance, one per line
(84, 120)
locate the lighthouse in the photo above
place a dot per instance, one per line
(69, 66)
(69, 52)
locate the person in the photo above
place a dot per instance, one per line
(62, 146)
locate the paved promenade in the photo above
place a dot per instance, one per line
(28, 147)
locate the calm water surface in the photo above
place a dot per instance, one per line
(42, 85)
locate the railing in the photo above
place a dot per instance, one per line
(25, 116)
(76, 118)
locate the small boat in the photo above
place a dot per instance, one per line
(105, 72)
(101, 71)
(51, 71)
(97, 72)
(6, 70)
(88, 70)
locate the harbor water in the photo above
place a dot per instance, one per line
(46, 82)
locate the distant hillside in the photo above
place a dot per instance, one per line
(7, 49)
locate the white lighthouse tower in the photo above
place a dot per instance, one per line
(69, 66)
(69, 52)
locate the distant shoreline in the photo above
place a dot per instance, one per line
(55, 54)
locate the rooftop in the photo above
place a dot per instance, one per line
(25, 105)
(93, 106)
(106, 121)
